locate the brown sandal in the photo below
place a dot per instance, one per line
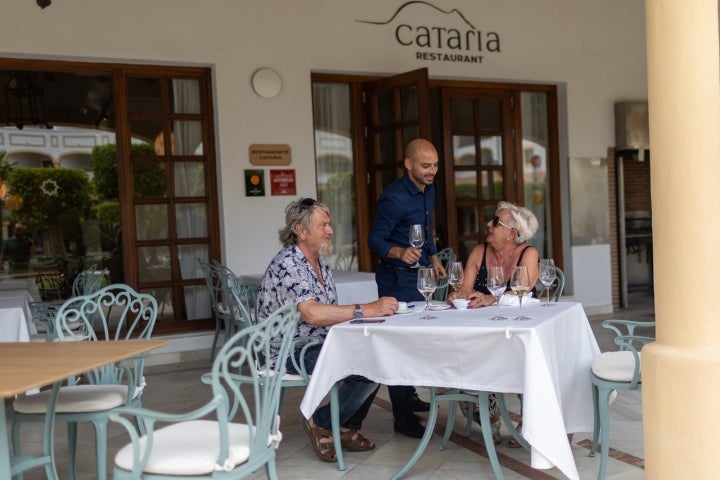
(321, 440)
(353, 441)
(512, 443)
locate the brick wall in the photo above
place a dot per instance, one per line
(637, 185)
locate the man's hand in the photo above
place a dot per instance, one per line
(438, 267)
(409, 255)
(380, 307)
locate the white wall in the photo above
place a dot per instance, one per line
(596, 49)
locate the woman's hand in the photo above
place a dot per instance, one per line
(477, 299)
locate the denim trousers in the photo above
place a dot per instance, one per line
(401, 284)
(355, 395)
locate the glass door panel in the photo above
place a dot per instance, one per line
(478, 136)
(535, 166)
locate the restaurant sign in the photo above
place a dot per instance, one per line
(438, 35)
(269, 154)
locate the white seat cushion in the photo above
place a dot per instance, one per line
(190, 448)
(295, 377)
(614, 366)
(78, 398)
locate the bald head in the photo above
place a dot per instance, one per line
(421, 162)
(419, 147)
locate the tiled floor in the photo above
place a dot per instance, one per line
(177, 388)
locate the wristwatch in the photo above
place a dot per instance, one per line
(358, 312)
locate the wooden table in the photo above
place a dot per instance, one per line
(25, 366)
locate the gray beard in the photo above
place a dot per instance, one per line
(326, 249)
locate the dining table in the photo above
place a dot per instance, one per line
(546, 358)
(28, 366)
(16, 323)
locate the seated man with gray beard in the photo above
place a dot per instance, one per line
(299, 274)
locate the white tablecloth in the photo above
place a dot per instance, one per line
(355, 287)
(15, 319)
(352, 287)
(547, 358)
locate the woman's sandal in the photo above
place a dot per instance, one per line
(353, 441)
(497, 438)
(321, 441)
(512, 443)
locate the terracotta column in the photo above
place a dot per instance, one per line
(681, 370)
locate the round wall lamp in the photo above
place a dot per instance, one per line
(266, 82)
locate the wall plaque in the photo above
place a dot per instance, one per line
(254, 183)
(269, 154)
(282, 182)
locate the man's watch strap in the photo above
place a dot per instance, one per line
(358, 311)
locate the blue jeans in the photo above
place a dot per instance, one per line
(355, 395)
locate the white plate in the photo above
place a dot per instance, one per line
(403, 312)
(439, 306)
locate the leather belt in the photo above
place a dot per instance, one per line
(397, 267)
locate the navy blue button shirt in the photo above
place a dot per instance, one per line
(403, 204)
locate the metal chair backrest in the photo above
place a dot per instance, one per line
(446, 256)
(115, 312)
(237, 297)
(88, 281)
(559, 284)
(345, 258)
(237, 364)
(213, 282)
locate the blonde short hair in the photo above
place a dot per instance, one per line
(525, 222)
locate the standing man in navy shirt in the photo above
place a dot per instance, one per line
(409, 200)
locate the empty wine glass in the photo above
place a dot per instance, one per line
(417, 239)
(426, 285)
(455, 277)
(547, 277)
(520, 284)
(497, 285)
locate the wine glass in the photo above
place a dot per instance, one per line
(497, 285)
(520, 284)
(426, 285)
(455, 277)
(417, 239)
(547, 277)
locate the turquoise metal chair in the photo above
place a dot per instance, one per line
(446, 256)
(223, 317)
(619, 370)
(559, 285)
(133, 317)
(89, 281)
(238, 299)
(43, 316)
(238, 293)
(236, 432)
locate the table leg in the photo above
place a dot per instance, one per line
(429, 428)
(484, 407)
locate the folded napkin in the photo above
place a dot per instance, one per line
(510, 299)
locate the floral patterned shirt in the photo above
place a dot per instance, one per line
(290, 279)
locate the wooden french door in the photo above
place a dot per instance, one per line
(480, 161)
(497, 141)
(397, 111)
